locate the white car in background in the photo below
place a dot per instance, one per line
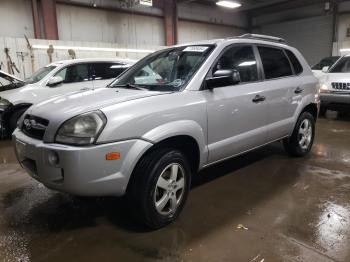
(335, 86)
(322, 67)
(57, 79)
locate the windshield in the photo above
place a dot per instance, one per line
(167, 70)
(328, 61)
(342, 66)
(40, 74)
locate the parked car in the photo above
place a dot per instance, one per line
(216, 99)
(56, 79)
(322, 67)
(335, 86)
(8, 82)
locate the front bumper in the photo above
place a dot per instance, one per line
(80, 171)
(335, 100)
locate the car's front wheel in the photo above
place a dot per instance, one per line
(300, 142)
(159, 187)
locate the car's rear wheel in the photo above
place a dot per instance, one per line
(300, 142)
(159, 187)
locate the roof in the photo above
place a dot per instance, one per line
(86, 60)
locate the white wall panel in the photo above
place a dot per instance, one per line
(16, 18)
(87, 24)
(192, 31)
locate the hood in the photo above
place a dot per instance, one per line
(9, 77)
(337, 77)
(15, 82)
(22, 94)
(58, 110)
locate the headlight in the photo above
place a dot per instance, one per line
(4, 103)
(324, 88)
(82, 130)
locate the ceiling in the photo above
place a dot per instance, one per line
(260, 5)
(246, 4)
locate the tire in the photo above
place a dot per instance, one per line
(295, 145)
(14, 117)
(323, 110)
(147, 187)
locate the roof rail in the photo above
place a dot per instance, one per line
(264, 37)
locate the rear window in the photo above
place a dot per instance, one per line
(298, 68)
(275, 62)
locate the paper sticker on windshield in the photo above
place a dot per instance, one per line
(199, 49)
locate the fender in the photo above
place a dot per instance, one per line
(306, 101)
(181, 128)
(9, 111)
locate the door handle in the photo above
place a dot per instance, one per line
(299, 90)
(258, 99)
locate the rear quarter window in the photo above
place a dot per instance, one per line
(275, 62)
(298, 68)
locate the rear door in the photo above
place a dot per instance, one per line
(236, 119)
(280, 82)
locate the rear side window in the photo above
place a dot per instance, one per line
(275, 62)
(298, 68)
(107, 70)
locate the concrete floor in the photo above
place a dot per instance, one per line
(293, 209)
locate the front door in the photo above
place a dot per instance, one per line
(237, 114)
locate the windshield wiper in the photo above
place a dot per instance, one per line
(129, 86)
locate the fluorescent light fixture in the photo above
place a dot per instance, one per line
(228, 4)
(345, 50)
(100, 49)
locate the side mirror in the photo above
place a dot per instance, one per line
(55, 81)
(223, 78)
(325, 69)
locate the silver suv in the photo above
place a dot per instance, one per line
(172, 114)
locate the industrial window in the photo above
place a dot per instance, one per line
(242, 59)
(298, 68)
(275, 62)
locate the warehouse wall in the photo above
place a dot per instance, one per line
(192, 31)
(16, 18)
(309, 29)
(41, 58)
(86, 24)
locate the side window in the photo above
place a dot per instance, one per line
(275, 63)
(107, 70)
(74, 73)
(242, 59)
(298, 68)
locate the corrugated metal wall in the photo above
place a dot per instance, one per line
(193, 31)
(312, 36)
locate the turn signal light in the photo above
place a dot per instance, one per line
(113, 156)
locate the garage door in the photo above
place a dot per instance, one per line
(312, 36)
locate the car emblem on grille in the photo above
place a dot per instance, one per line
(28, 123)
(31, 123)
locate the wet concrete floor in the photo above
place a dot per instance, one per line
(290, 210)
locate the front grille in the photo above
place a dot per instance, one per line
(34, 126)
(341, 86)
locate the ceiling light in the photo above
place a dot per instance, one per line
(228, 4)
